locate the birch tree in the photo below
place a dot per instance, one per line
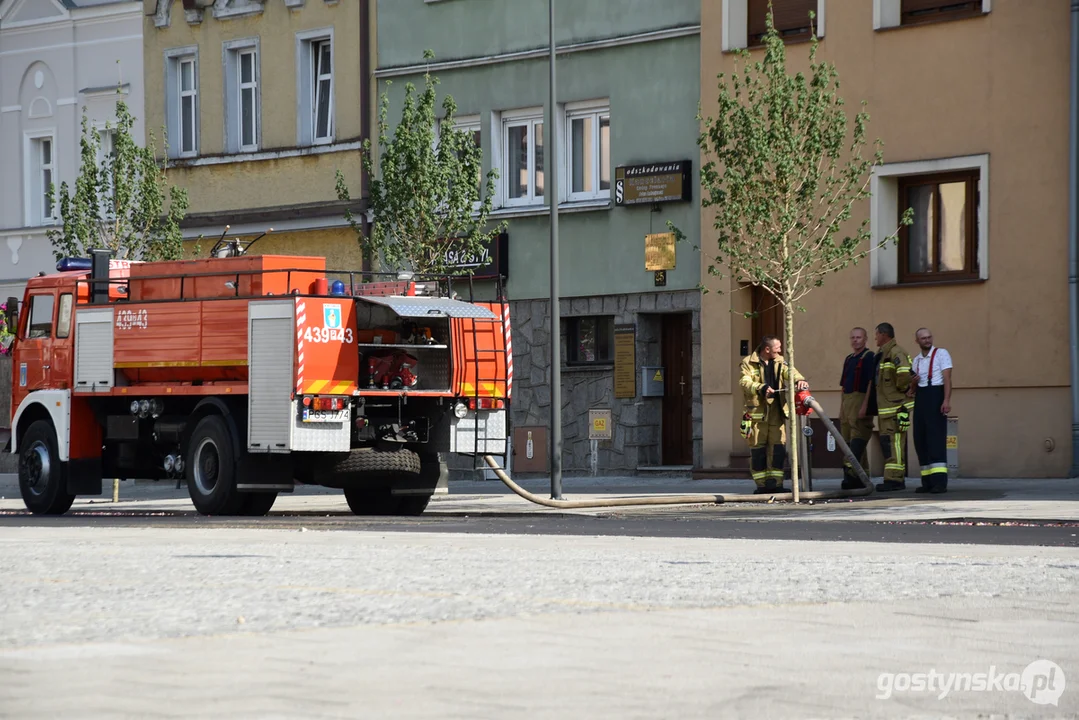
(121, 200)
(783, 169)
(425, 193)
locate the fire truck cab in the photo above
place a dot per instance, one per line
(247, 375)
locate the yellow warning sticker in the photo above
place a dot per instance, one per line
(953, 442)
(658, 377)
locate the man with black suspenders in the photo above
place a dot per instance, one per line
(933, 402)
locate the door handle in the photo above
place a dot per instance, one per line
(45, 367)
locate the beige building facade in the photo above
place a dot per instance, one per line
(262, 101)
(971, 101)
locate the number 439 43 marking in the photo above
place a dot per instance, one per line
(327, 335)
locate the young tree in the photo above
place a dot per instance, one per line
(119, 200)
(783, 170)
(425, 196)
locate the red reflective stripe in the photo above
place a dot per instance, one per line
(929, 377)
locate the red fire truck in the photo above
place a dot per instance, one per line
(245, 375)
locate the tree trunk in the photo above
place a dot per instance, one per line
(792, 439)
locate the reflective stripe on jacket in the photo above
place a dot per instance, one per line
(893, 379)
(752, 384)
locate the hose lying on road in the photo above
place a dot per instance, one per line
(701, 499)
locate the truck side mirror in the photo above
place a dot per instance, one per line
(11, 314)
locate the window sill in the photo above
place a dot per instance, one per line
(539, 210)
(786, 43)
(227, 159)
(932, 283)
(933, 21)
(589, 367)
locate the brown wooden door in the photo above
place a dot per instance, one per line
(677, 390)
(767, 316)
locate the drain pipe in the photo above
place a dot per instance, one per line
(702, 499)
(1073, 232)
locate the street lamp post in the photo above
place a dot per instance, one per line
(550, 162)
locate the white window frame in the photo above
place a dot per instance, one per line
(467, 123)
(735, 34)
(307, 87)
(884, 213)
(529, 118)
(234, 86)
(598, 110)
(106, 134)
(174, 61)
(33, 177)
(888, 13)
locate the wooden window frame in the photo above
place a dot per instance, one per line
(573, 341)
(944, 10)
(788, 34)
(970, 271)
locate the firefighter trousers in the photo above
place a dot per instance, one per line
(856, 431)
(930, 429)
(893, 444)
(768, 449)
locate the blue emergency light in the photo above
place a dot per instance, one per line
(74, 263)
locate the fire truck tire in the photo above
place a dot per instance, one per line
(378, 461)
(211, 469)
(370, 501)
(412, 504)
(257, 504)
(41, 474)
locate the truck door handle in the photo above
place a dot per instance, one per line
(45, 367)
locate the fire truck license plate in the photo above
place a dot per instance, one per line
(325, 416)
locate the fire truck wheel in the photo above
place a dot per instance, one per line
(257, 504)
(211, 469)
(412, 504)
(41, 475)
(371, 501)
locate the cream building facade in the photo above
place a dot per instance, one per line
(59, 59)
(971, 101)
(262, 102)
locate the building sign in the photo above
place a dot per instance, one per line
(625, 361)
(654, 183)
(599, 424)
(490, 261)
(659, 251)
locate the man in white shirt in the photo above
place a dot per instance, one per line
(932, 402)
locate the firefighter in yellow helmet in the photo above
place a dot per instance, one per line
(893, 407)
(765, 379)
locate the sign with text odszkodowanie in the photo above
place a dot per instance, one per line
(653, 183)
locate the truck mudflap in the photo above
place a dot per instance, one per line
(479, 432)
(5, 439)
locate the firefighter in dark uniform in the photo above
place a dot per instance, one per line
(933, 397)
(855, 424)
(765, 379)
(893, 407)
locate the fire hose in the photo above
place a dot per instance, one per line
(699, 499)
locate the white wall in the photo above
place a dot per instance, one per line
(74, 51)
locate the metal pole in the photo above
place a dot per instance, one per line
(550, 173)
(1073, 232)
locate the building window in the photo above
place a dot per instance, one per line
(896, 13)
(42, 177)
(744, 21)
(315, 76)
(790, 17)
(942, 242)
(470, 124)
(40, 320)
(182, 101)
(106, 156)
(591, 340)
(589, 132)
(912, 12)
(949, 240)
(523, 158)
(242, 109)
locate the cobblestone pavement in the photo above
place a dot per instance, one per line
(163, 622)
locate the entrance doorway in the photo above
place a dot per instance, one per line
(677, 350)
(767, 316)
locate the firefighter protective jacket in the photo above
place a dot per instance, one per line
(752, 383)
(893, 379)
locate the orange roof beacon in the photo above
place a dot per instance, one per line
(248, 374)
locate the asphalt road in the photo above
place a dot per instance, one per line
(669, 524)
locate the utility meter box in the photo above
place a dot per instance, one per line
(953, 448)
(652, 381)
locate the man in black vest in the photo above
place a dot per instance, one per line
(855, 424)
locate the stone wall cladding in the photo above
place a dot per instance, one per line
(636, 423)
